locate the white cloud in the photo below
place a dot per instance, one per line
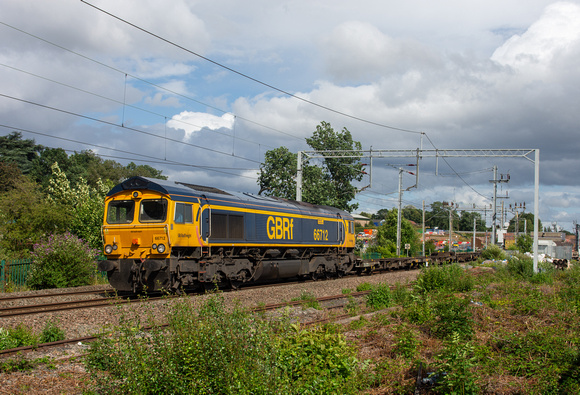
(554, 33)
(192, 122)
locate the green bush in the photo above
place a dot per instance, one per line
(62, 261)
(17, 337)
(364, 287)
(379, 297)
(309, 300)
(406, 342)
(213, 350)
(455, 363)
(449, 277)
(317, 362)
(521, 267)
(452, 317)
(6, 340)
(51, 333)
(493, 252)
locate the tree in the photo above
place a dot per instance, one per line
(10, 176)
(277, 173)
(41, 164)
(466, 221)
(327, 185)
(439, 216)
(524, 243)
(386, 237)
(523, 219)
(26, 217)
(13, 149)
(382, 213)
(132, 170)
(84, 203)
(412, 214)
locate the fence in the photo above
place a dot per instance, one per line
(14, 272)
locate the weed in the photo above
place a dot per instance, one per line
(379, 297)
(22, 364)
(420, 310)
(401, 295)
(406, 342)
(453, 317)
(326, 356)
(364, 287)
(358, 324)
(352, 306)
(451, 278)
(309, 301)
(51, 333)
(211, 349)
(494, 253)
(456, 362)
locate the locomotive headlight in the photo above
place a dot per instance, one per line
(109, 249)
(153, 246)
(161, 248)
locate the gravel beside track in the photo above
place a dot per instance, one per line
(69, 375)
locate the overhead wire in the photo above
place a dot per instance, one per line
(126, 127)
(209, 106)
(126, 104)
(149, 82)
(151, 159)
(246, 75)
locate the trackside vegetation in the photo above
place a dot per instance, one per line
(213, 350)
(492, 330)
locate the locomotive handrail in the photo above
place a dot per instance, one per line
(168, 236)
(208, 218)
(338, 231)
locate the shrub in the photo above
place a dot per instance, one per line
(456, 362)
(51, 333)
(309, 301)
(493, 252)
(379, 297)
(62, 261)
(212, 350)
(6, 340)
(17, 337)
(450, 277)
(521, 267)
(364, 287)
(406, 342)
(452, 318)
(317, 362)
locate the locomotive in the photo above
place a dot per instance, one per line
(163, 235)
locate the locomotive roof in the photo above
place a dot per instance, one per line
(174, 188)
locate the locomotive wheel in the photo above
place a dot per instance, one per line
(241, 278)
(318, 273)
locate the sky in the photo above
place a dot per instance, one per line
(203, 89)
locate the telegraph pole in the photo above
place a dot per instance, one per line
(399, 212)
(424, 230)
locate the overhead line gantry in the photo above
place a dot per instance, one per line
(532, 155)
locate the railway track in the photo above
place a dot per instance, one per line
(56, 294)
(111, 299)
(259, 309)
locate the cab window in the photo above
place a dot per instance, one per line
(153, 210)
(120, 212)
(183, 213)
